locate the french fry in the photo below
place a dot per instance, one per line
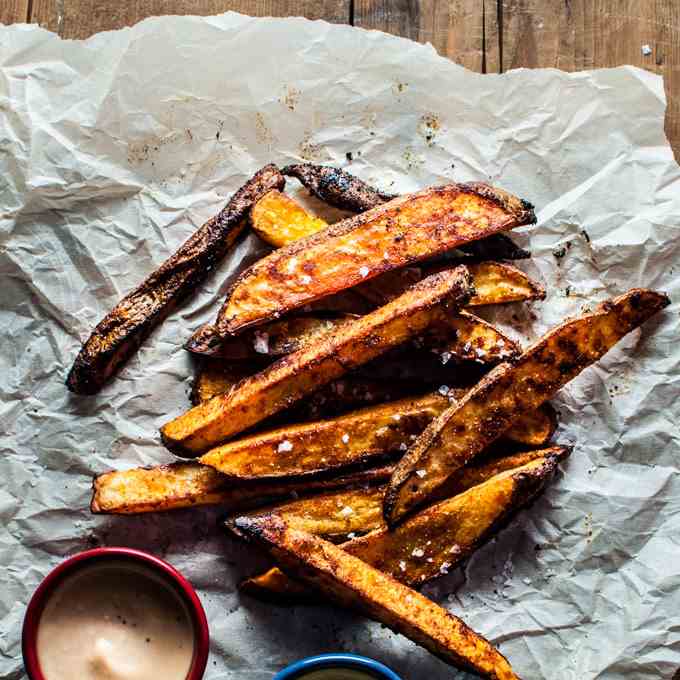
(189, 484)
(352, 439)
(120, 333)
(351, 582)
(360, 248)
(469, 426)
(294, 376)
(339, 188)
(446, 533)
(279, 219)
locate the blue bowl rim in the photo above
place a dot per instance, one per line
(336, 660)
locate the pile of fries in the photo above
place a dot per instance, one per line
(351, 413)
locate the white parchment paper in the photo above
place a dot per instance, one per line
(113, 150)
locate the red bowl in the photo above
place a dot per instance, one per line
(35, 607)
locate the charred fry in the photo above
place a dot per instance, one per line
(469, 426)
(183, 485)
(337, 187)
(360, 248)
(120, 333)
(351, 582)
(432, 300)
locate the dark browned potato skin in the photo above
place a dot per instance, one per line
(339, 188)
(120, 333)
(366, 245)
(350, 582)
(490, 408)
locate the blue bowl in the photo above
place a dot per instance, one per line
(353, 662)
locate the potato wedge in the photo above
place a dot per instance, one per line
(297, 375)
(335, 514)
(360, 248)
(352, 439)
(469, 426)
(183, 485)
(465, 522)
(351, 582)
(343, 190)
(279, 219)
(120, 333)
(494, 283)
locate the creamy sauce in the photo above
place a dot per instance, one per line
(337, 674)
(115, 622)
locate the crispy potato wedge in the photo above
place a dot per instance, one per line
(494, 283)
(351, 582)
(360, 248)
(469, 426)
(339, 188)
(352, 439)
(279, 219)
(464, 522)
(188, 484)
(120, 333)
(335, 514)
(214, 377)
(301, 373)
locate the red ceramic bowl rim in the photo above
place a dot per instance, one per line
(29, 634)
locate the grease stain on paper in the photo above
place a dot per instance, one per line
(290, 97)
(262, 132)
(145, 149)
(312, 151)
(428, 127)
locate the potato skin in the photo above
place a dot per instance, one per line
(403, 231)
(491, 407)
(120, 333)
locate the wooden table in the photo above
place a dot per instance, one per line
(490, 36)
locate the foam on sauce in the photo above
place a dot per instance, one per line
(115, 621)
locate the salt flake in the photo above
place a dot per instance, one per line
(418, 552)
(285, 445)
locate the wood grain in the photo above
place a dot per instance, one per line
(455, 28)
(14, 11)
(82, 18)
(582, 34)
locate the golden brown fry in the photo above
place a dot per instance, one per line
(475, 340)
(466, 428)
(494, 283)
(312, 448)
(339, 188)
(448, 531)
(297, 375)
(351, 439)
(353, 583)
(279, 220)
(357, 249)
(182, 485)
(120, 333)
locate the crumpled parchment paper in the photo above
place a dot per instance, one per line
(113, 150)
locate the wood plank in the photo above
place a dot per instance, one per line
(13, 11)
(82, 18)
(583, 34)
(455, 28)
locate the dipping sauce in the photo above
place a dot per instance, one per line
(115, 621)
(336, 674)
